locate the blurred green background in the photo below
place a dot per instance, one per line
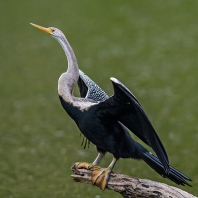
(150, 46)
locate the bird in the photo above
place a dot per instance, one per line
(106, 121)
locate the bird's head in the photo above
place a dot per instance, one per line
(54, 32)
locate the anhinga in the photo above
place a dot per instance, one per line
(104, 121)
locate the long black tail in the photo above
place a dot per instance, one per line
(174, 175)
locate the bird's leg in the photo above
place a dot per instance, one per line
(98, 159)
(89, 165)
(100, 177)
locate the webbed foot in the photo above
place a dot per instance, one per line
(83, 165)
(100, 177)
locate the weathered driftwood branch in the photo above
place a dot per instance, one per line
(131, 187)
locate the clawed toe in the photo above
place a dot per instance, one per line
(100, 177)
(81, 165)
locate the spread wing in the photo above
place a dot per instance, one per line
(89, 89)
(124, 106)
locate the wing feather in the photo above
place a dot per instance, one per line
(89, 89)
(124, 106)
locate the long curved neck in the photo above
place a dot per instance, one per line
(72, 61)
(68, 79)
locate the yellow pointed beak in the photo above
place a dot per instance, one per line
(47, 30)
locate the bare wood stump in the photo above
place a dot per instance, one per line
(131, 187)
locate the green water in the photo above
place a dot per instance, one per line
(149, 46)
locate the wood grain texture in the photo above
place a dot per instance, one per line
(131, 187)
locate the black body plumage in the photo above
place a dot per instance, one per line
(105, 125)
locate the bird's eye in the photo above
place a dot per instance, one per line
(52, 30)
